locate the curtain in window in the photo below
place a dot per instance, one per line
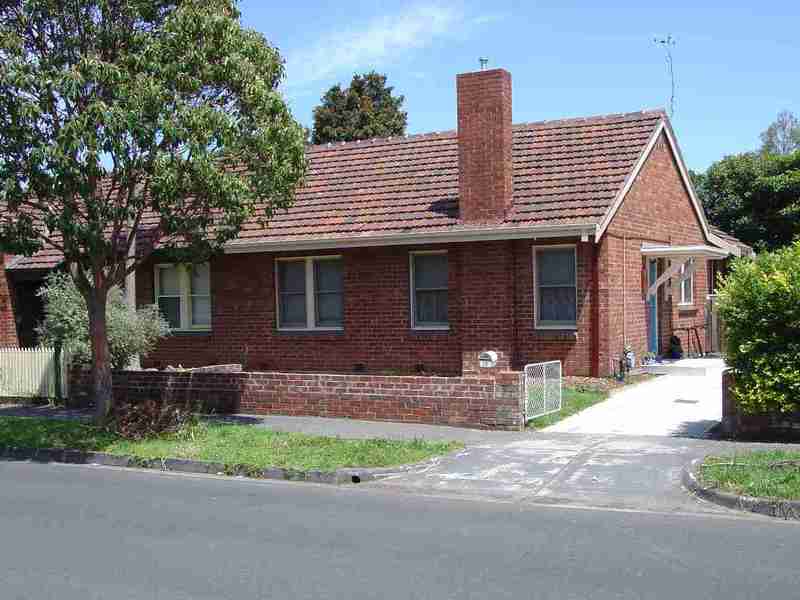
(556, 283)
(169, 295)
(430, 289)
(292, 289)
(201, 295)
(328, 290)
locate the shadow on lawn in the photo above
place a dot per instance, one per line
(47, 411)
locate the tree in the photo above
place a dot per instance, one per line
(131, 332)
(367, 109)
(783, 135)
(754, 196)
(153, 125)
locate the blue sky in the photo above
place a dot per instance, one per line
(736, 63)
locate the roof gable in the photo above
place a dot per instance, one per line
(664, 128)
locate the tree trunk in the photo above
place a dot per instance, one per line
(102, 392)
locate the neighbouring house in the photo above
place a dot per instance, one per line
(564, 240)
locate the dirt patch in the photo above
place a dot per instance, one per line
(604, 384)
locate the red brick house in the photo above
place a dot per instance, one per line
(553, 240)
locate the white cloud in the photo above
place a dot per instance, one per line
(381, 40)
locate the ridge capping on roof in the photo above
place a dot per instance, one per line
(447, 133)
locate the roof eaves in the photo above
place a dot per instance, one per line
(461, 234)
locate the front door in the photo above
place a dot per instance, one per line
(652, 308)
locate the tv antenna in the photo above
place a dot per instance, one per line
(668, 43)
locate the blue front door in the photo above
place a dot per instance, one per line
(652, 309)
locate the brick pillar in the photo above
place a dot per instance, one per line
(487, 304)
(484, 145)
(8, 323)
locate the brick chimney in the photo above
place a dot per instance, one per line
(484, 145)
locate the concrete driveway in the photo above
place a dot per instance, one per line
(686, 402)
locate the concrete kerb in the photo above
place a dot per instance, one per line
(179, 465)
(784, 509)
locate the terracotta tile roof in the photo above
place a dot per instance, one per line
(744, 248)
(565, 172)
(45, 259)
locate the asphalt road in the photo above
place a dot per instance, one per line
(78, 532)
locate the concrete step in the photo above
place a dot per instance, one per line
(685, 366)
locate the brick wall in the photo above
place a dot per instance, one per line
(484, 402)
(656, 210)
(572, 347)
(490, 308)
(377, 329)
(487, 303)
(8, 325)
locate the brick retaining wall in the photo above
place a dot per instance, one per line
(484, 402)
(765, 425)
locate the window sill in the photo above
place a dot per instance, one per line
(190, 331)
(686, 306)
(429, 328)
(556, 327)
(309, 331)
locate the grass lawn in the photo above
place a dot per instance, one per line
(228, 444)
(573, 400)
(763, 473)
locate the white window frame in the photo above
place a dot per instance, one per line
(550, 325)
(413, 291)
(311, 296)
(686, 283)
(185, 295)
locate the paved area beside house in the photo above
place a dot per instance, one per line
(685, 402)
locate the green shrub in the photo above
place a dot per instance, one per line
(759, 302)
(130, 332)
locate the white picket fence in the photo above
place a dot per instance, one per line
(32, 373)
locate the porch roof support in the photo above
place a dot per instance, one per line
(671, 272)
(680, 256)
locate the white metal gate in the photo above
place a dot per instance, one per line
(542, 389)
(32, 373)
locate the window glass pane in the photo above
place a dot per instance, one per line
(168, 281)
(431, 308)
(201, 310)
(557, 304)
(330, 310)
(430, 271)
(292, 276)
(441, 306)
(293, 310)
(200, 280)
(171, 310)
(328, 275)
(556, 266)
